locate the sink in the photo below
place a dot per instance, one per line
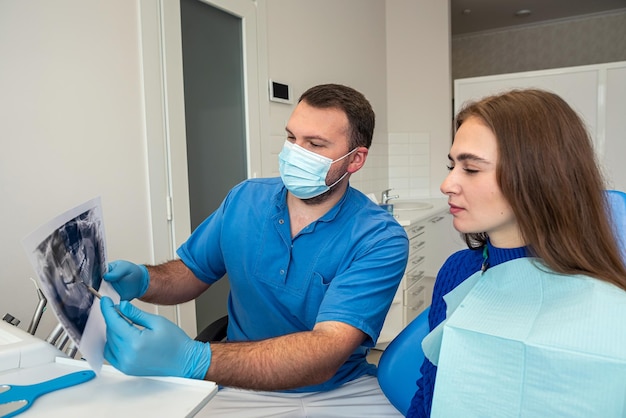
(407, 205)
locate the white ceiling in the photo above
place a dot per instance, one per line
(495, 14)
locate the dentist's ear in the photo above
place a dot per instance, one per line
(358, 160)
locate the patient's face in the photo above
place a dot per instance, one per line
(475, 200)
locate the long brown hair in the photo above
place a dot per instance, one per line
(548, 173)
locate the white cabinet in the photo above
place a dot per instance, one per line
(432, 238)
(414, 284)
(596, 92)
(615, 139)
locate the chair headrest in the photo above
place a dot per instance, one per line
(616, 201)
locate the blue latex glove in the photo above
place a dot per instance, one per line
(129, 279)
(159, 349)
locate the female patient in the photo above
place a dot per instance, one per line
(523, 182)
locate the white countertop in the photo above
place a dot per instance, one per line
(408, 217)
(25, 359)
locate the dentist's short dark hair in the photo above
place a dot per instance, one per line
(357, 108)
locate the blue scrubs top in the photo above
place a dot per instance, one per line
(345, 267)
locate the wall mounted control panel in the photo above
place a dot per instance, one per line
(280, 92)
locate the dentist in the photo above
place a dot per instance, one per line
(313, 266)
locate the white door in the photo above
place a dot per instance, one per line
(165, 122)
(215, 122)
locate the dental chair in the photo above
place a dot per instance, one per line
(617, 206)
(215, 331)
(399, 365)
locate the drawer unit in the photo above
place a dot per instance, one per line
(410, 297)
(432, 239)
(413, 231)
(414, 300)
(417, 244)
(414, 276)
(414, 261)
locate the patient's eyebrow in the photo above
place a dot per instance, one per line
(466, 156)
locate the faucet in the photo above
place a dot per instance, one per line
(385, 198)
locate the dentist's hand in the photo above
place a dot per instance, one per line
(160, 349)
(129, 279)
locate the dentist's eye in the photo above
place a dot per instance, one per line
(470, 171)
(450, 167)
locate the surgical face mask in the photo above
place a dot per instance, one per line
(304, 172)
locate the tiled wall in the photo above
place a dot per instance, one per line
(374, 176)
(409, 164)
(404, 166)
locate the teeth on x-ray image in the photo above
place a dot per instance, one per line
(67, 254)
(72, 255)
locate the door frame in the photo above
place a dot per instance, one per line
(166, 146)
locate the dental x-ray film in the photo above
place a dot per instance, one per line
(69, 254)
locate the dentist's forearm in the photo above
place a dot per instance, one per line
(286, 362)
(172, 283)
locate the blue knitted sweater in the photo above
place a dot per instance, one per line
(458, 267)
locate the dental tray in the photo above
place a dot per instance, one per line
(111, 393)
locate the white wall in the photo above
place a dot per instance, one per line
(71, 126)
(329, 41)
(419, 97)
(398, 54)
(72, 108)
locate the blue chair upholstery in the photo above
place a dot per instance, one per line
(617, 207)
(399, 365)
